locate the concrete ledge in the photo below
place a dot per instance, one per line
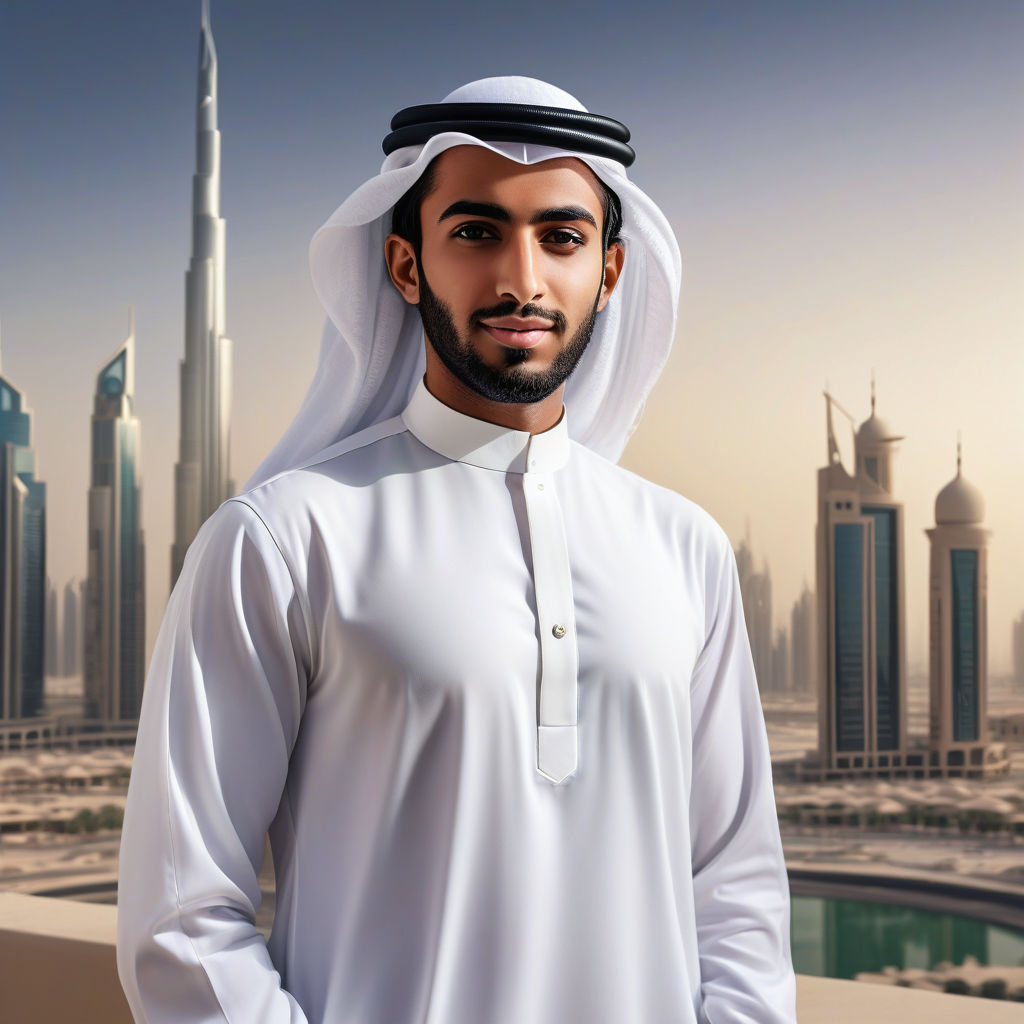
(828, 1001)
(57, 960)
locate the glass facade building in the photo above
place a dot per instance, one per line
(961, 741)
(887, 628)
(22, 562)
(861, 625)
(114, 666)
(849, 636)
(964, 609)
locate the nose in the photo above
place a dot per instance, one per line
(518, 277)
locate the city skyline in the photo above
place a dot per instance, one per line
(842, 184)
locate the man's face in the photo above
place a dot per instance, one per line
(512, 272)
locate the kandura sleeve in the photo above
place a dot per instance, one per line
(220, 713)
(740, 885)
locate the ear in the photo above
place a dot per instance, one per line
(613, 260)
(401, 263)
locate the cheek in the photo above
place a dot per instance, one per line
(455, 281)
(579, 288)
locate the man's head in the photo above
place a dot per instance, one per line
(509, 264)
(370, 361)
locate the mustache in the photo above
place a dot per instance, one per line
(510, 308)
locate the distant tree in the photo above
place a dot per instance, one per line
(110, 816)
(994, 988)
(83, 821)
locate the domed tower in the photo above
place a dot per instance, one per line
(875, 446)
(861, 602)
(958, 631)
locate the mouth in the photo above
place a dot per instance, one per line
(514, 333)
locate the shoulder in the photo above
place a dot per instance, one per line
(335, 493)
(652, 504)
(373, 441)
(331, 477)
(233, 538)
(234, 561)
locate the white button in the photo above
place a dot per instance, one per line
(558, 631)
(533, 463)
(540, 487)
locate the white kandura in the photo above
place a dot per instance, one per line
(351, 658)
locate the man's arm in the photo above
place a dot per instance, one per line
(220, 713)
(740, 886)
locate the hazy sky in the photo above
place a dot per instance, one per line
(845, 181)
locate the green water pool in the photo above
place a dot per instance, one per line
(839, 938)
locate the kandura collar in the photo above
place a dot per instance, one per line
(481, 443)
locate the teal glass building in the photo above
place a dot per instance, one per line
(959, 740)
(849, 544)
(963, 609)
(115, 619)
(22, 561)
(861, 616)
(887, 626)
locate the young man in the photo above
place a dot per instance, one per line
(491, 694)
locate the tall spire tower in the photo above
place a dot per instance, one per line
(202, 477)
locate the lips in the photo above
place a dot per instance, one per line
(513, 332)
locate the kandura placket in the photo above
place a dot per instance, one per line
(538, 457)
(556, 623)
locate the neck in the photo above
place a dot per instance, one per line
(533, 417)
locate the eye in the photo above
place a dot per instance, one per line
(564, 238)
(473, 232)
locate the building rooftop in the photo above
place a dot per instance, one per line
(874, 431)
(959, 503)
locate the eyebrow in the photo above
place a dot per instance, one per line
(494, 212)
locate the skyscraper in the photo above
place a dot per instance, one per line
(202, 474)
(756, 591)
(862, 705)
(1018, 651)
(958, 632)
(51, 661)
(115, 623)
(780, 662)
(802, 634)
(71, 637)
(22, 561)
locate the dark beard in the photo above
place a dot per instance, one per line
(508, 384)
